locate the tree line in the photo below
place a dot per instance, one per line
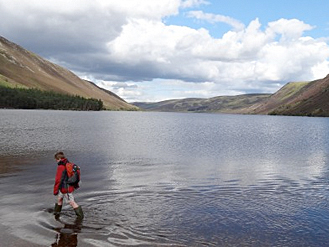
(21, 98)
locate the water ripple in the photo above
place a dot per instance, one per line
(149, 180)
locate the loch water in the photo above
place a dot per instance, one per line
(166, 179)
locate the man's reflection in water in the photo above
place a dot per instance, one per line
(68, 235)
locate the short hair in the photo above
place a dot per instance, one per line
(59, 155)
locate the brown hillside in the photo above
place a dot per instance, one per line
(302, 99)
(313, 100)
(23, 68)
(287, 93)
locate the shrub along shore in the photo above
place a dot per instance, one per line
(22, 98)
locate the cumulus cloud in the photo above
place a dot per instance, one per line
(125, 46)
(280, 52)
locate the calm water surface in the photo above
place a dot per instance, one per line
(166, 179)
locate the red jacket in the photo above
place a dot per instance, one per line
(61, 179)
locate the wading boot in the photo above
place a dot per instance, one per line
(79, 212)
(57, 210)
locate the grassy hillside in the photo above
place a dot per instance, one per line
(295, 98)
(278, 99)
(311, 100)
(298, 99)
(220, 104)
(19, 67)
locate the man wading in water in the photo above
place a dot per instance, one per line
(63, 189)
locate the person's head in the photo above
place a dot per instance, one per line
(59, 155)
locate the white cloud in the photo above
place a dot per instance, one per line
(292, 61)
(148, 9)
(248, 54)
(127, 45)
(212, 18)
(193, 3)
(321, 69)
(288, 29)
(125, 90)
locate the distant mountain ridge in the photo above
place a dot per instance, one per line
(220, 104)
(22, 68)
(295, 99)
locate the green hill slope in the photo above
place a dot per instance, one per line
(19, 67)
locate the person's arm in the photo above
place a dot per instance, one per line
(58, 179)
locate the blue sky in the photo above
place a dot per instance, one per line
(313, 12)
(154, 50)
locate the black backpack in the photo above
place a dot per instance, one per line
(73, 173)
